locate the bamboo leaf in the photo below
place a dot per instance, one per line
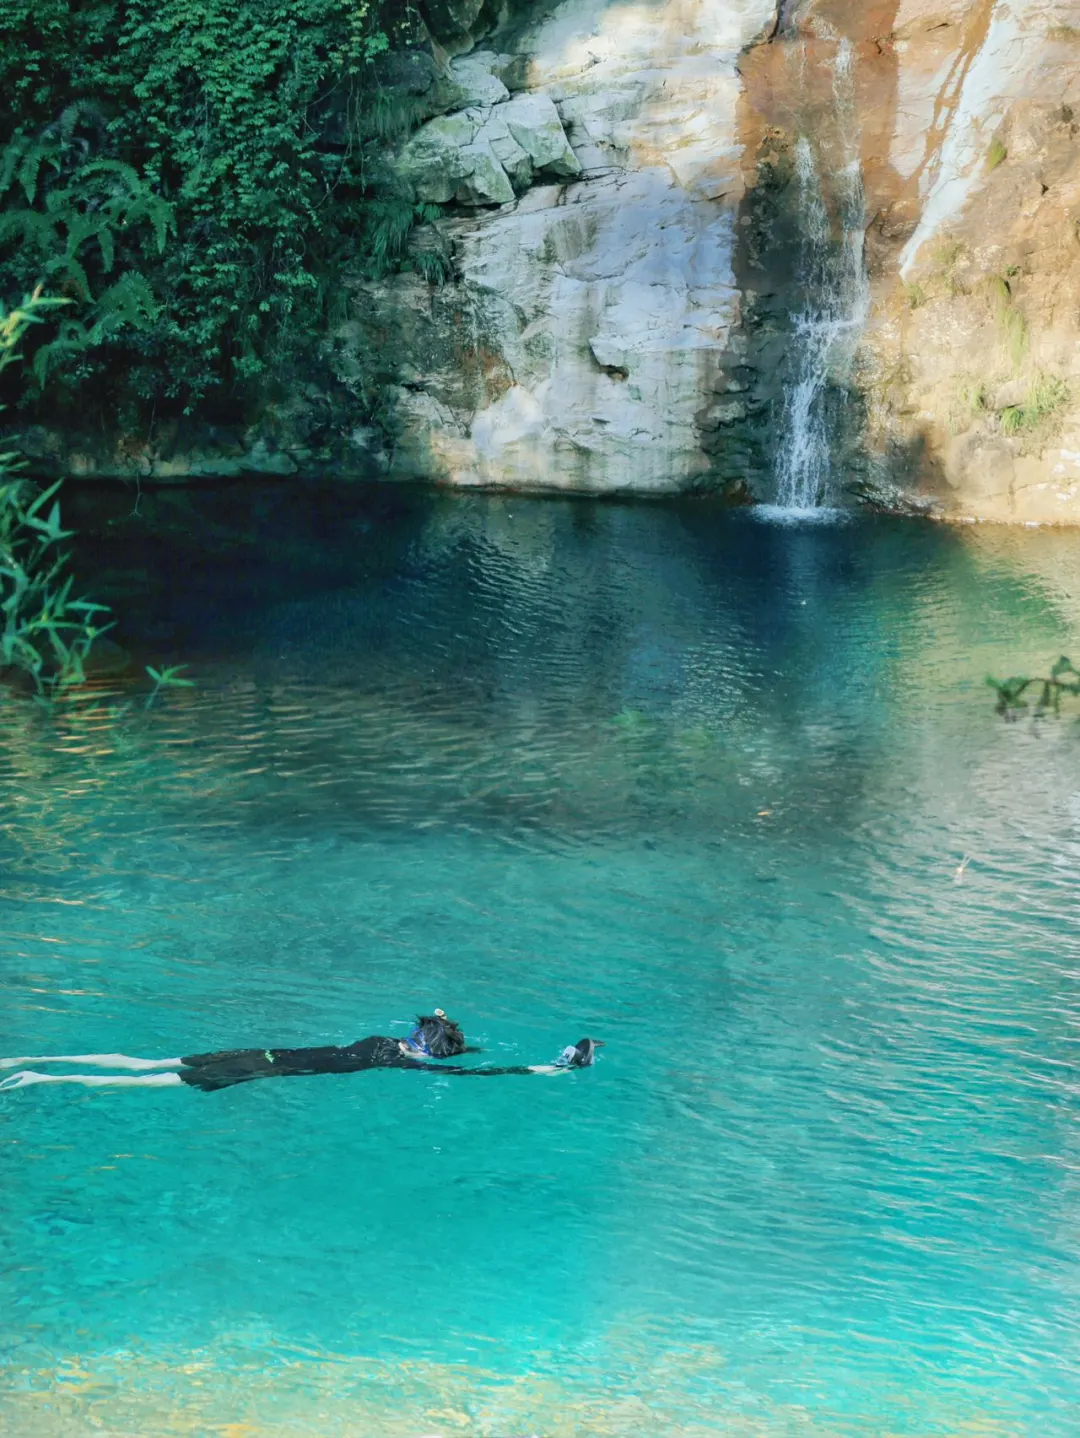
(43, 498)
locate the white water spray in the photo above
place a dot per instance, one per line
(833, 279)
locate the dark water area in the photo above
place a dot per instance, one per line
(728, 794)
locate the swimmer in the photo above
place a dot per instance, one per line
(434, 1038)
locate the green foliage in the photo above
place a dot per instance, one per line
(1011, 323)
(390, 221)
(192, 175)
(435, 267)
(1048, 395)
(975, 396)
(916, 295)
(1046, 398)
(1063, 679)
(388, 114)
(46, 634)
(970, 401)
(167, 678)
(996, 154)
(947, 255)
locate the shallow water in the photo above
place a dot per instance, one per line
(695, 784)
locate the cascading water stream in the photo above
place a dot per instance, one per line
(832, 278)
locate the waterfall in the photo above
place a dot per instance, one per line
(831, 275)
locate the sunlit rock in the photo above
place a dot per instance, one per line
(608, 298)
(433, 158)
(484, 181)
(534, 123)
(483, 154)
(515, 161)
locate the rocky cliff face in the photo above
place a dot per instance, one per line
(593, 244)
(641, 236)
(783, 249)
(971, 359)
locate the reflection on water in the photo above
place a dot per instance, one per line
(695, 784)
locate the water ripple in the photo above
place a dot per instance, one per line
(728, 795)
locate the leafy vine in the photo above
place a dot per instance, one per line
(192, 175)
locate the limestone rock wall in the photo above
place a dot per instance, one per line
(965, 396)
(971, 363)
(593, 240)
(623, 225)
(613, 283)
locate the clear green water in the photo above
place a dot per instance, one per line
(696, 785)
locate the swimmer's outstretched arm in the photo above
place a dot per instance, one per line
(464, 1072)
(574, 1056)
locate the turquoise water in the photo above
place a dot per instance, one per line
(694, 784)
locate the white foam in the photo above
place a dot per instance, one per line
(793, 515)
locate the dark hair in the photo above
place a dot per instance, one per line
(441, 1035)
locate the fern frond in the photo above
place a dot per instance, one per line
(120, 168)
(72, 114)
(80, 228)
(129, 300)
(160, 214)
(9, 164)
(29, 228)
(72, 273)
(31, 164)
(74, 342)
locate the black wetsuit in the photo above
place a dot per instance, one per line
(222, 1070)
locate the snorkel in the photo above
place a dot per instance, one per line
(581, 1055)
(417, 1043)
(435, 1037)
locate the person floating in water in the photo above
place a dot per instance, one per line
(434, 1038)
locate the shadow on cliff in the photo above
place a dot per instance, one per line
(905, 476)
